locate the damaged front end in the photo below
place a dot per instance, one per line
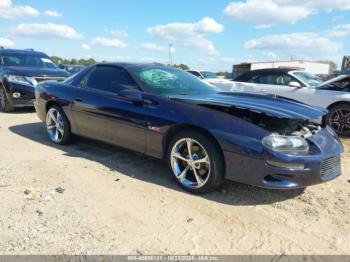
(275, 125)
(275, 114)
(295, 151)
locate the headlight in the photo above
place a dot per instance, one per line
(23, 80)
(285, 143)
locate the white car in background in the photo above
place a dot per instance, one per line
(305, 87)
(212, 78)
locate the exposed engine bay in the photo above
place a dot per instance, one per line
(281, 126)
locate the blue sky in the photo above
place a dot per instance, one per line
(206, 34)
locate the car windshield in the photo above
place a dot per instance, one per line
(169, 81)
(341, 85)
(308, 78)
(207, 74)
(27, 60)
(74, 69)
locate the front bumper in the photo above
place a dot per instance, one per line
(320, 164)
(27, 94)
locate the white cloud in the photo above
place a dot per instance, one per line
(265, 13)
(85, 47)
(10, 11)
(6, 42)
(340, 30)
(270, 55)
(299, 43)
(189, 34)
(118, 33)
(101, 41)
(151, 47)
(208, 25)
(151, 60)
(325, 5)
(52, 13)
(337, 17)
(213, 63)
(45, 31)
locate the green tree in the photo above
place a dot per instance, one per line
(65, 61)
(182, 66)
(221, 73)
(73, 61)
(85, 62)
(57, 60)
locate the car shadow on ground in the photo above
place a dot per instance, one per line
(151, 170)
(21, 110)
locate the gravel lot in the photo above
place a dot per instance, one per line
(92, 198)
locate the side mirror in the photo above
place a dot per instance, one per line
(134, 96)
(295, 84)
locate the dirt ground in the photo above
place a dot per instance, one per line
(92, 198)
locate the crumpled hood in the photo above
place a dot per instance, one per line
(268, 104)
(36, 71)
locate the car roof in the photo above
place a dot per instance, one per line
(21, 51)
(275, 70)
(131, 64)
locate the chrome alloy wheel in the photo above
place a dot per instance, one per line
(2, 98)
(340, 120)
(54, 125)
(190, 163)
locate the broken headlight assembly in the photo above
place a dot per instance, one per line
(285, 143)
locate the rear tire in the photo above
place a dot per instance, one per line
(4, 103)
(339, 119)
(58, 126)
(202, 170)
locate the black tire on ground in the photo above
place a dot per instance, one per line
(217, 165)
(67, 137)
(339, 119)
(5, 105)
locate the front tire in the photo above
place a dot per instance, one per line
(195, 162)
(57, 126)
(4, 103)
(339, 119)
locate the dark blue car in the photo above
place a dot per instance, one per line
(205, 136)
(20, 72)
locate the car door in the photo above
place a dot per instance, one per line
(101, 111)
(251, 85)
(278, 84)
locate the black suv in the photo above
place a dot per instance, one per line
(20, 72)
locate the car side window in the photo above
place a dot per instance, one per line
(254, 79)
(269, 79)
(110, 79)
(284, 80)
